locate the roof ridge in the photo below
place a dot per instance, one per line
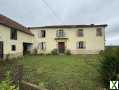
(71, 26)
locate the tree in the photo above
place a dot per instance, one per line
(110, 66)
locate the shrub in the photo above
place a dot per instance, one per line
(7, 84)
(109, 65)
(54, 52)
(41, 54)
(68, 52)
(47, 54)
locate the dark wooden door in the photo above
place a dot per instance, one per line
(61, 47)
(1, 50)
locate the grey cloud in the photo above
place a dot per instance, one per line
(36, 13)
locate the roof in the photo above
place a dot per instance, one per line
(70, 26)
(12, 24)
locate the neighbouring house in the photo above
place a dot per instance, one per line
(79, 39)
(15, 39)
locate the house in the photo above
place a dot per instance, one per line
(15, 39)
(79, 39)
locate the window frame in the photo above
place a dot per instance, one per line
(80, 45)
(60, 33)
(80, 32)
(13, 34)
(99, 32)
(13, 47)
(43, 33)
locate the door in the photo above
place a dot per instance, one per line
(1, 50)
(61, 47)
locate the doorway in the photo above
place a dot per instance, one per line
(27, 48)
(61, 47)
(1, 50)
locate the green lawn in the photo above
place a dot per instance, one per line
(63, 72)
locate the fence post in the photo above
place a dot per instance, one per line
(17, 74)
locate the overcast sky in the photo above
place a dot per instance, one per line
(53, 12)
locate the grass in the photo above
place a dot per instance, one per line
(63, 72)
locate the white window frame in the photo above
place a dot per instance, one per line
(42, 45)
(79, 45)
(40, 34)
(60, 33)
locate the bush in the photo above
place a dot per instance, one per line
(54, 52)
(68, 52)
(7, 84)
(41, 54)
(110, 65)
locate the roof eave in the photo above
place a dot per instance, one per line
(70, 26)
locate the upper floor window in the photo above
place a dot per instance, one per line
(60, 33)
(80, 45)
(42, 46)
(13, 34)
(42, 34)
(80, 33)
(99, 32)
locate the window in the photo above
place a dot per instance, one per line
(43, 33)
(80, 33)
(42, 46)
(60, 33)
(13, 34)
(99, 32)
(13, 48)
(80, 45)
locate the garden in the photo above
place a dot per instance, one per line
(66, 72)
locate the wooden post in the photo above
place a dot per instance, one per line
(17, 74)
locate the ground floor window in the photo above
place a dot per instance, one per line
(80, 45)
(13, 47)
(42, 46)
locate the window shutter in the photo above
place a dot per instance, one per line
(64, 34)
(57, 33)
(77, 45)
(39, 34)
(38, 45)
(84, 44)
(44, 45)
(77, 33)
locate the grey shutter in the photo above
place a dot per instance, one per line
(57, 33)
(64, 33)
(38, 46)
(77, 45)
(44, 45)
(39, 34)
(84, 44)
